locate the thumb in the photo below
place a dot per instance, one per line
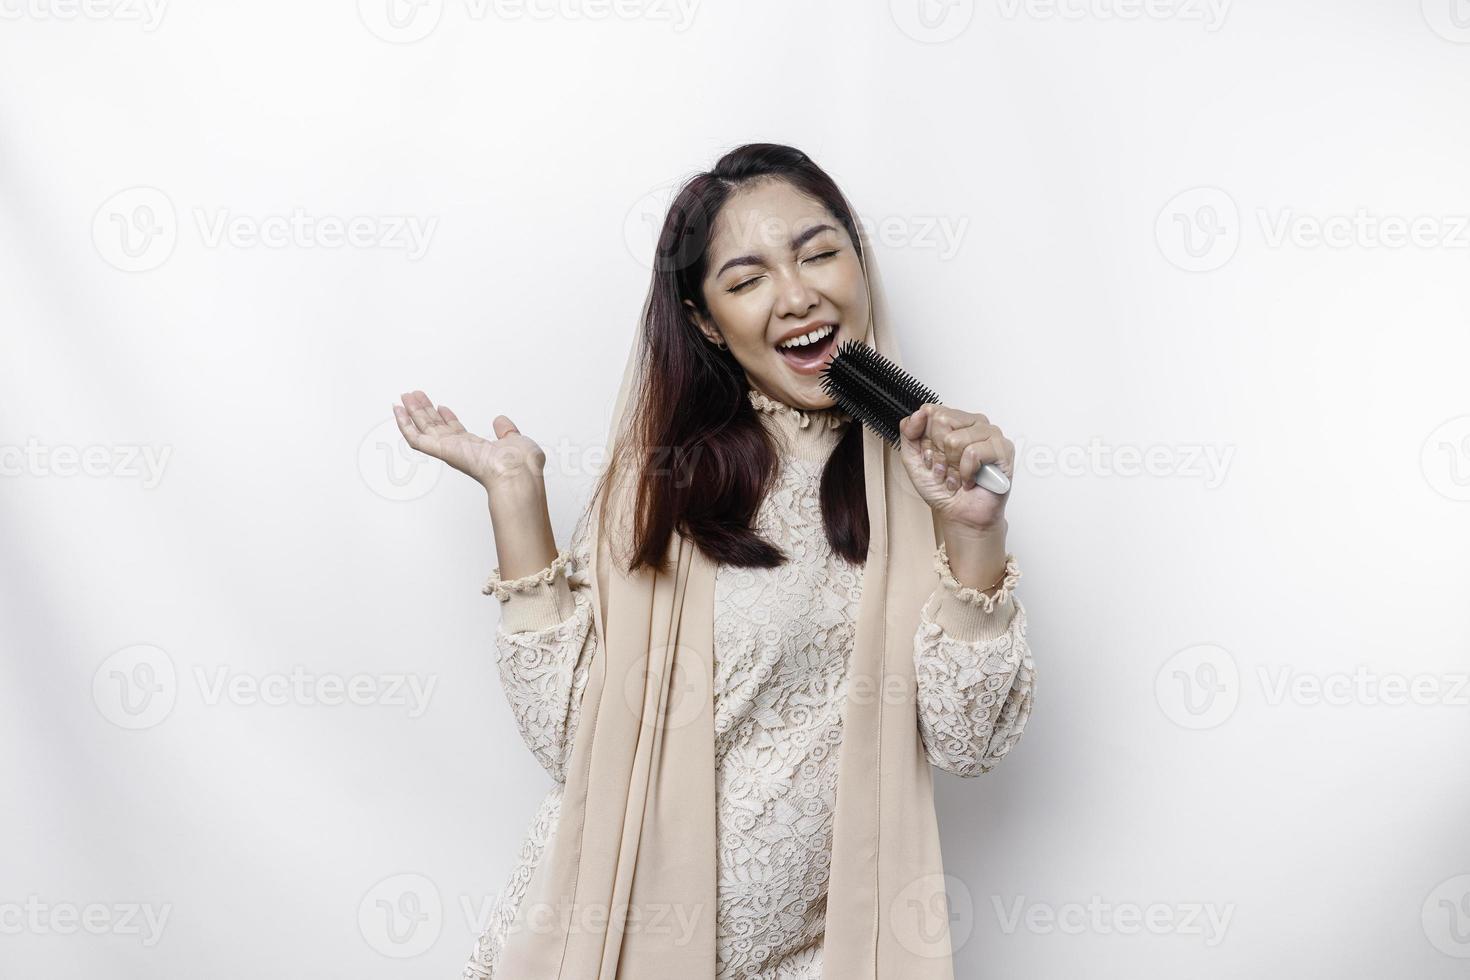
(504, 427)
(913, 426)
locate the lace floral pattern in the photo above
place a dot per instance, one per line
(545, 671)
(974, 698)
(782, 640)
(508, 901)
(783, 636)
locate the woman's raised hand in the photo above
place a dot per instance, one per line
(956, 444)
(508, 458)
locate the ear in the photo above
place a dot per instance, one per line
(705, 325)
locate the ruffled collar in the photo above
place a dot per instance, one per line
(804, 433)
(831, 418)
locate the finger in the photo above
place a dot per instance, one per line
(405, 425)
(990, 449)
(410, 401)
(976, 455)
(504, 427)
(1007, 460)
(450, 419)
(1000, 455)
(951, 443)
(918, 431)
(422, 411)
(952, 419)
(950, 430)
(923, 434)
(911, 426)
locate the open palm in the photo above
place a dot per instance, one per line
(437, 432)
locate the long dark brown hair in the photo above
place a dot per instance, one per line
(713, 460)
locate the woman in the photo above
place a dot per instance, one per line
(740, 672)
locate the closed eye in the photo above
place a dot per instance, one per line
(740, 286)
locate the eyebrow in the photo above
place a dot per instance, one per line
(796, 243)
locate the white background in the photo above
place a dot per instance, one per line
(1098, 228)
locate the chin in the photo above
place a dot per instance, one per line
(814, 397)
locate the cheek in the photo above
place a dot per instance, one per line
(843, 282)
(742, 320)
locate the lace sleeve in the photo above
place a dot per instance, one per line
(543, 666)
(974, 671)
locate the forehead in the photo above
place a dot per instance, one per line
(765, 218)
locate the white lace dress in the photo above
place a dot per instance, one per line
(782, 639)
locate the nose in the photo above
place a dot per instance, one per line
(795, 297)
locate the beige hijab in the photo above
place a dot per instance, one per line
(626, 887)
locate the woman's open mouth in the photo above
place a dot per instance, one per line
(810, 357)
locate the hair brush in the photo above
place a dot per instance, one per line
(871, 388)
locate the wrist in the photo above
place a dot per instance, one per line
(977, 556)
(966, 533)
(517, 490)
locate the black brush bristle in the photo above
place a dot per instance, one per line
(874, 390)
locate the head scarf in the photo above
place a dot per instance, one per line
(626, 887)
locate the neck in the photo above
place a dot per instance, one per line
(802, 433)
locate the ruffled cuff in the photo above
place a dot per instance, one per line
(533, 602)
(969, 614)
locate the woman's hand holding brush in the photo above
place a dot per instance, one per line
(959, 464)
(943, 449)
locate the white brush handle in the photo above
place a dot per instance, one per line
(993, 478)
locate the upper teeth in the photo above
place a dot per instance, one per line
(809, 338)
